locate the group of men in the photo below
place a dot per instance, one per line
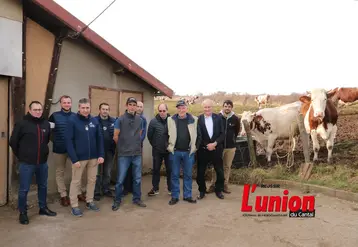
(90, 143)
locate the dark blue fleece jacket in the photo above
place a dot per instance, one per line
(107, 127)
(84, 138)
(60, 119)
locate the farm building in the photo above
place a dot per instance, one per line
(46, 57)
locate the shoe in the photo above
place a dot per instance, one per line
(153, 192)
(226, 190)
(108, 194)
(173, 201)
(211, 189)
(97, 197)
(65, 201)
(23, 219)
(201, 196)
(219, 195)
(115, 206)
(47, 212)
(140, 204)
(81, 198)
(190, 200)
(92, 206)
(76, 212)
(169, 192)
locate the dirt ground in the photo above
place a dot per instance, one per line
(210, 222)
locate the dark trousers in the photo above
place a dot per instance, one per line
(157, 164)
(205, 157)
(26, 172)
(104, 174)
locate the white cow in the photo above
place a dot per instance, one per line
(262, 100)
(320, 118)
(270, 124)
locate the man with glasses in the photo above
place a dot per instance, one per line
(29, 142)
(127, 135)
(158, 138)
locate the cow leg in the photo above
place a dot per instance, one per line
(315, 144)
(330, 143)
(270, 143)
(294, 142)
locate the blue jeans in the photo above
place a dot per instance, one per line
(123, 165)
(26, 172)
(188, 161)
(104, 174)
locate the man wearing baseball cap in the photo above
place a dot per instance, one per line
(184, 137)
(127, 135)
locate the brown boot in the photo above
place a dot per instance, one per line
(65, 201)
(211, 189)
(82, 197)
(226, 189)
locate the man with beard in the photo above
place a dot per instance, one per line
(158, 138)
(106, 123)
(29, 142)
(60, 156)
(128, 182)
(231, 129)
(127, 135)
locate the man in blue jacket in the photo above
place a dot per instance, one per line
(104, 175)
(128, 182)
(59, 119)
(84, 144)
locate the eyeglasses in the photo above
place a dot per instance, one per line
(162, 111)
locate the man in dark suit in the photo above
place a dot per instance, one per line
(210, 149)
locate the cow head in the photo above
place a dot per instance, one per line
(255, 122)
(318, 101)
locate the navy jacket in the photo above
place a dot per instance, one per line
(218, 131)
(144, 127)
(108, 131)
(84, 138)
(60, 119)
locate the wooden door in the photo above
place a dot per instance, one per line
(3, 139)
(125, 95)
(111, 97)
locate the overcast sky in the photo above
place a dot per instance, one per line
(261, 46)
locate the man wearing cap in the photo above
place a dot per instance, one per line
(127, 135)
(128, 181)
(184, 137)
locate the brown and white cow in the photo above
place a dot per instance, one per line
(270, 124)
(343, 95)
(262, 100)
(320, 119)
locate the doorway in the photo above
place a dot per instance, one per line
(4, 146)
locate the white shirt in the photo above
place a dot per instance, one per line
(209, 125)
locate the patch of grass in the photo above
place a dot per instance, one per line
(349, 110)
(342, 177)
